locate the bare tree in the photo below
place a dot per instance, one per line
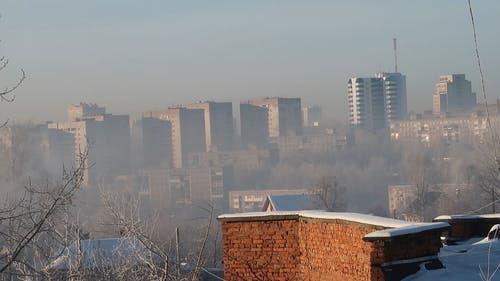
(421, 173)
(486, 173)
(331, 193)
(28, 223)
(126, 217)
(7, 94)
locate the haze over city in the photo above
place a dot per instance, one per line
(134, 56)
(249, 140)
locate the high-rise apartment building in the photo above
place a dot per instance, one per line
(84, 110)
(60, 149)
(107, 138)
(187, 130)
(254, 129)
(157, 143)
(311, 116)
(283, 117)
(219, 131)
(453, 94)
(366, 103)
(376, 101)
(394, 85)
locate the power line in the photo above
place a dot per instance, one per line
(478, 58)
(483, 89)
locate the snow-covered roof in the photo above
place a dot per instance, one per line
(293, 202)
(101, 252)
(398, 227)
(463, 262)
(467, 217)
(406, 230)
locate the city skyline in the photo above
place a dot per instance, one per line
(179, 52)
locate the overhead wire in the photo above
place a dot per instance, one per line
(483, 90)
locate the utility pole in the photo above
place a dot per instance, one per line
(493, 199)
(394, 41)
(178, 260)
(497, 160)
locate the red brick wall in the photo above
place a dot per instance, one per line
(272, 250)
(261, 250)
(406, 247)
(335, 250)
(298, 248)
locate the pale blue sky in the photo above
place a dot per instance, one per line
(132, 56)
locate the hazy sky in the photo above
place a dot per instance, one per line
(133, 56)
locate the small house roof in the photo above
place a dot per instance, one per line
(293, 202)
(101, 252)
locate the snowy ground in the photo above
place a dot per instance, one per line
(463, 262)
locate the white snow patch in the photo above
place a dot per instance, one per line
(453, 217)
(405, 230)
(400, 227)
(462, 262)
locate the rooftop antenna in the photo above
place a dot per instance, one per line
(394, 40)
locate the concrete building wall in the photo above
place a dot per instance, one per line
(466, 129)
(401, 197)
(188, 132)
(61, 150)
(168, 187)
(254, 127)
(312, 116)
(219, 130)
(84, 110)
(394, 86)
(284, 115)
(253, 200)
(366, 103)
(453, 94)
(107, 138)
(248, 159)
(157, 143)
(321, 143)
(210, 183)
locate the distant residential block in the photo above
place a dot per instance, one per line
(270, 118)
(248, 159)
(219, 130)
(467, 129)
(366, 103)
(106, 136)
(453, 94)
(312, 116)
(170, 187)
(187, 130)
(375, 101)
(253, 200)
(157, 143)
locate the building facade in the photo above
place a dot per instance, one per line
(105, 136)
(312, 116)
(219, 131)
(366, 103)
(394, 86)
(375, 101)
(187, 130)
(284, 116)
(453, 94)
(254, 129)
(157, 143)
(473, 128)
